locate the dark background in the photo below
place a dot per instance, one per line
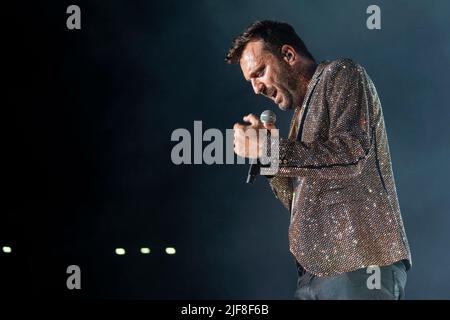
(88, 116)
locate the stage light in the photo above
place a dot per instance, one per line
(120, 251)
(145, 250)
(170, 250)
(6, 249)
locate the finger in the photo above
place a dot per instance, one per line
(252, 119)
(237, 126)
(240, 140)
(238, 133)
(238, 150)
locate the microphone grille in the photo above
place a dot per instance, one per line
(268, 116)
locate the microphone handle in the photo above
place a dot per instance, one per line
(253, 171)
(255, 165)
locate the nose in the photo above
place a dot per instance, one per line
(258, 87)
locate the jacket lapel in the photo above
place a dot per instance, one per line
(305, 106)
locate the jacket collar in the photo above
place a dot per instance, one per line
(300, 111)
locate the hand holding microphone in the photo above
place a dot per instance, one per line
(248, 145)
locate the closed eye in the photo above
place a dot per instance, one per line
(260, 72)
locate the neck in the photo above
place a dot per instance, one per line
(306, 73)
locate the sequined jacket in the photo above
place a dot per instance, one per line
(335, 176)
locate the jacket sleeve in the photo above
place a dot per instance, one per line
(348, 99)
(282, 189)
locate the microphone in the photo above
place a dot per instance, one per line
(267, 117)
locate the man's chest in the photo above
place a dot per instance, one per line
(312, 120)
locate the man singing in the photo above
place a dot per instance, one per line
(335, 175)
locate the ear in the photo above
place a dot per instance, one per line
(289, 54)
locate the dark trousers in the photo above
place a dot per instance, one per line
(353, 285)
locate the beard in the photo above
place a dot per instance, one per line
(291, 87)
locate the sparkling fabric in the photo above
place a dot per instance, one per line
(335, 176)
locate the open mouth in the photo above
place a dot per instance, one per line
(274, 94)
(278, 101)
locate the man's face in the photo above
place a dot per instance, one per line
(270, 75)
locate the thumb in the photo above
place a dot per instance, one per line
(254, 121)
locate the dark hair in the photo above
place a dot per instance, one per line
(274, 35)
